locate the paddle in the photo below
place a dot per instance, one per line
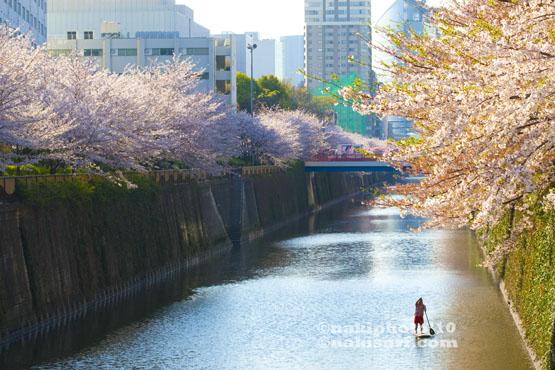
(432, 332)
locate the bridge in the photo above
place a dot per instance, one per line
(346, 162)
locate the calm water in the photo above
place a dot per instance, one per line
(337, 292)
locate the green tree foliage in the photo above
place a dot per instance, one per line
(244, 92)
(274, 93)
(270, 92)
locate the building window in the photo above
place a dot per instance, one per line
(223, 63)
(60, 52)
(71, 35)
(223, 87)
(205, 76)
(127, 52)
(89, 35)
(163, 51)
(92, 52)
(197, 51)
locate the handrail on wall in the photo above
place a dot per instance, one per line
(161, 177)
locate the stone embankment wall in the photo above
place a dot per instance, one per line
(61, 261)
(527, 278)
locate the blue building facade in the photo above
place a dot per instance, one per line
(404, 15)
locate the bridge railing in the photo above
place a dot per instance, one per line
(339, 157)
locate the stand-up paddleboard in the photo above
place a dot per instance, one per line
(422, 335)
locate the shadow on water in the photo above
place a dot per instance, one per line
(232, 266)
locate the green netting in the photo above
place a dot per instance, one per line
(347, 119)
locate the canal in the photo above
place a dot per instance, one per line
(335, 291)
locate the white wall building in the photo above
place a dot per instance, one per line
(27, 15)
(157, 18)
(214, 56)
(138, 33)
(242, 60)
(264, 56)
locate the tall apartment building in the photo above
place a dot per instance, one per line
(331, 28)
(138, 33)
(27, 15)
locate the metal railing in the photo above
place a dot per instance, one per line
(259, 170)
(8, 183)
(338, 157)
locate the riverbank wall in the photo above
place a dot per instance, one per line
(527, 279)
(61, 261)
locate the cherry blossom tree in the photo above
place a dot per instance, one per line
(480, 92)
(21, 88)
(195, 122)
(66, 111)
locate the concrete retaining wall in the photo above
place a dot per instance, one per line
(60, 262)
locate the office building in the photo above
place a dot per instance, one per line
(290, 58)
(27, 15)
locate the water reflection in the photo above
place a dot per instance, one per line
(337, 291)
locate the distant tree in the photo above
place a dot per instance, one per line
(270, 92)
(274, 93)
(301, 98)
(244, 92)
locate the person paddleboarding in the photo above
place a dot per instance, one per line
(419, 310)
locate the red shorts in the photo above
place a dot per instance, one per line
(419, 319)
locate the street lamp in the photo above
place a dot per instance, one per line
(251, 48)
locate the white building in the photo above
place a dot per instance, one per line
(264, 56)
(27, 15)
(138, 34)
(291, 59)
(81, 19)
(242, 60)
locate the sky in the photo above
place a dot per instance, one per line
(271, 18)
